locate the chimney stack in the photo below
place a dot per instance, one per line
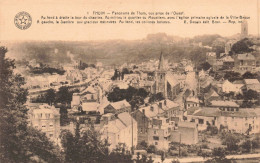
(160, 105)
(151, 108)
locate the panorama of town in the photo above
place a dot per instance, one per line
(202, 107)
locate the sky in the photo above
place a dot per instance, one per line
(38, 8)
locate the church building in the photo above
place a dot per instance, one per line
(165, 82)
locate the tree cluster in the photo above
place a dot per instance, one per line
(19, 142)
(132, 95)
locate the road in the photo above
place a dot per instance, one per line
(201, 159)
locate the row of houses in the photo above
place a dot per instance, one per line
(239, 62)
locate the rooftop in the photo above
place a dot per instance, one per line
(251, 81)
(224, 103)
(120, 104)
(245, 56)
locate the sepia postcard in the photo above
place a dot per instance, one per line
(120, 81)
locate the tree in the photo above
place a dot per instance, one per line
(64, 95)
(86, 147)
(205, 66)
(50, 96)
(231, 140)
(132, 95)
(19, 143)
(156, 97)
(218, 156)
(151, 149)
(232, 76)
(242, 46)
(249, 75)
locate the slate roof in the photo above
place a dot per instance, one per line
(152, 112)
(120, 104)
(207, 112)
(90, 106)
(251, 81)
(245, 56)
(224, 103)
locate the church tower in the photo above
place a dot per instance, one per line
(160, 78)
(244, 29)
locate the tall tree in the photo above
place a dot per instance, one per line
(50, 96)
(18, 142)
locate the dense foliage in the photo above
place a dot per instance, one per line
(132, 95)
(19, 143)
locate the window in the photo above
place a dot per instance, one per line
(201, 121)
(155, 138)
(156, 143)
(51, 135)
(43, 126)
(51, 125)
(154, 131)
(47, 116)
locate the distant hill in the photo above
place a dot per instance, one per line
(116, 52)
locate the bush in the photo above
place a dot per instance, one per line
(212, 129)
(204, 146)
(151, 149)
(184, 152)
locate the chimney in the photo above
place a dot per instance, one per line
(143, 112)
(160, 105)
(151, 108)
(165, 102)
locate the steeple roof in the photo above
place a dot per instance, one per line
(161, 63)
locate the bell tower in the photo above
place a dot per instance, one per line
(161, 77)
(244, 29)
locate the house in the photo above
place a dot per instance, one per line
(144, 116)
(170, 108)
(147, 85)
(243, 121)
(181, 79)
(245, 62)
(92, 108)
(252, 84)
(224, 105)
(188, 68)
(191, 101)
(217, 65)
(239, 84)
(228, 87)
(118, 107)
(211, 58)
(210, 96)
(119, 129)
(228, 62)
(186, 133)
(89, 94)
(203, 116)
(159, 133)
(45, 118)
